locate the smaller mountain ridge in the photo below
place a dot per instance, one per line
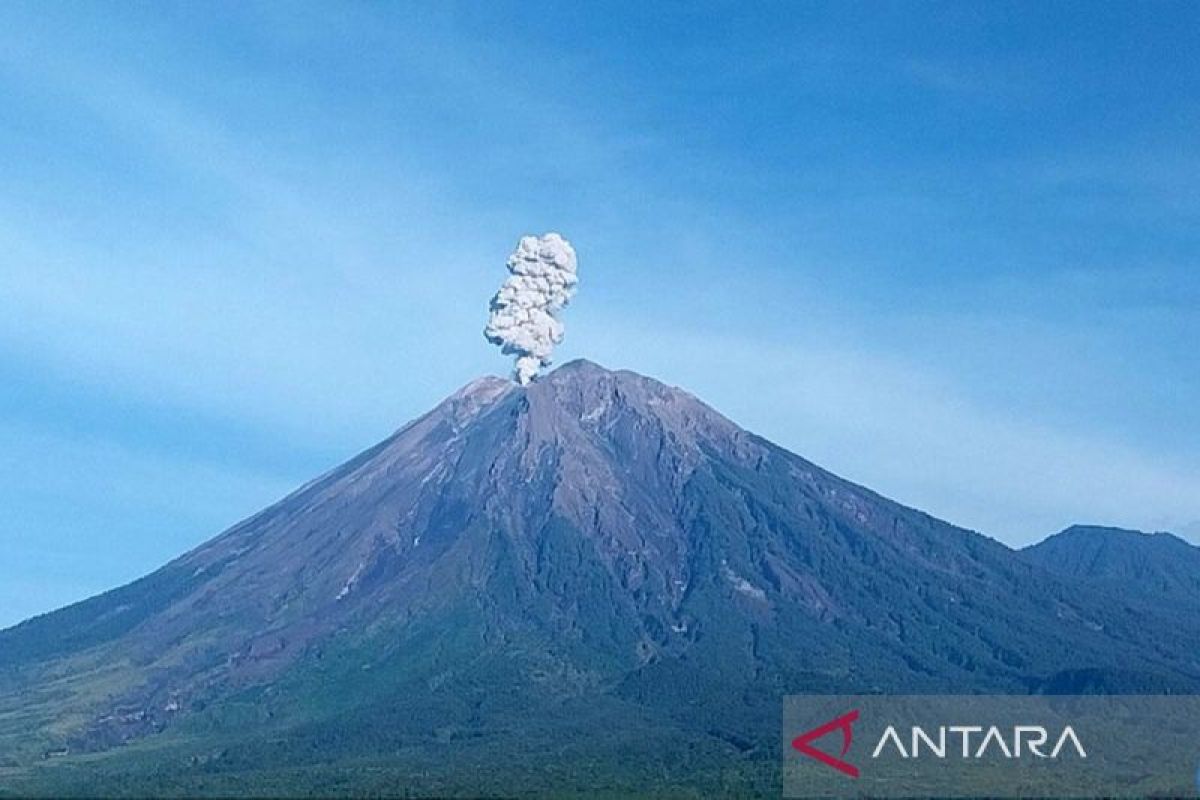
(1159, 563)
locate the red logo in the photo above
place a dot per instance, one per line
(804, 741)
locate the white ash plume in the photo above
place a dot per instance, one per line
(524, 321)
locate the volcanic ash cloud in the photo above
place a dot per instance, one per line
(524, 313)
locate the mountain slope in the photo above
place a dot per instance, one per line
(593, 582)
(1159, 564)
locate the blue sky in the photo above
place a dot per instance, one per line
(949, 251)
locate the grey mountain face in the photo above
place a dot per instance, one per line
(595, 558)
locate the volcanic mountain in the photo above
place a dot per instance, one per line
(591, 583)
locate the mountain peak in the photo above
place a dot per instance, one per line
(1113, 534)
(580, 365)
(593, 377)
(489, 384)
(582, 394)
(1159, 561)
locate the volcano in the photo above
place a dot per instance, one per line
(591, 584)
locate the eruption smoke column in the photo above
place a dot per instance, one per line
(524, 319)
